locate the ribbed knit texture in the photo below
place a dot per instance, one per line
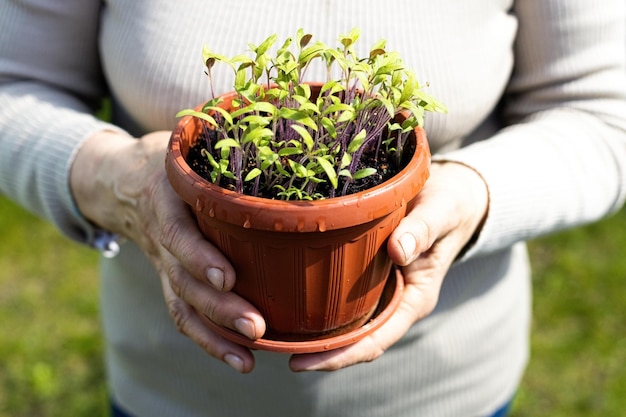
(553, 153)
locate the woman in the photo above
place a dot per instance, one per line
(534, 142)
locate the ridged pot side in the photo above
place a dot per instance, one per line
(313, 269)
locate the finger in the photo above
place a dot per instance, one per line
(189, 323)
(179, 234)
(416, 233)
(224, 308)
(423, 279)
(367, 349)
(454, 201)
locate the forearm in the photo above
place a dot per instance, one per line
(50, 79)
(40, 131)
(561, 161)
(554, 172)
(113, 174)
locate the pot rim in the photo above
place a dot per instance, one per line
(302, 216)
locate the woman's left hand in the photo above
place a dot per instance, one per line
(439, 223)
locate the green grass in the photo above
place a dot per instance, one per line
(50, 335)
(51, 346)
(579, 328)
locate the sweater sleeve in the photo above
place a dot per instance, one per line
(561, 160)
(50, 82)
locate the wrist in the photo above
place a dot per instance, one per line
(473, 191)
(93, 175)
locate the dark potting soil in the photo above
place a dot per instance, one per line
(386, 167)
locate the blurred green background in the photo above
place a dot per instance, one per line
(51, 346)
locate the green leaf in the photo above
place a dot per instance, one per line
(290, 150)
(357, 141)
(333, 85)
(329, 170)
(210, 58)
(309, 107)
(347, 116)
(334, 56)
(227, 143)
(265, 152)
(417, 112)
(210, 158)
(302, 38)
(264, 107)
(287, 68)
(298, 169)
(346, 159)
(388, 106)
(409, 88)
(365, 172)
(281, 170)
(338, 107)
(349, 39)
(409, 124)
(305, 135)
(329, 126)
(389, 68)
(224, 168)
(310, 52)
(199, 115)
(254, 119)
(255, 134)
(297, 116)
(240, 78)
(221, 111)
(345, 173)
(303, 90)
(266, 44)
(254, 172)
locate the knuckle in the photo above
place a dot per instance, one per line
(208, 346)
(210, 309)
(180, 313)
(426, 233)
(178, 279)
(374, 353)
(175, 239)
(170, 232)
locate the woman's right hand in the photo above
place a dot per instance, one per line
(119, 184)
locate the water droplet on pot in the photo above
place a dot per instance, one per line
(321, 225)
(211, 212)
(246, 223)
(300, 226)
(278, 225)
(199, 205)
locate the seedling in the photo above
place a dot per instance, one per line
(280, 140)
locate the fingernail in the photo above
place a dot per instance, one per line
(216, 277)
(245, 327)
(234, 361)
(408, 245)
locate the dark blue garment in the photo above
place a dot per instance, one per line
(117, 412)
(502, 412)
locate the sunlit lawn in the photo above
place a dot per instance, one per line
(51, 347)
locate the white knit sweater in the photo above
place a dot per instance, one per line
(536, 97)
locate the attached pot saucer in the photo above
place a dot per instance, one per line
(392, 293)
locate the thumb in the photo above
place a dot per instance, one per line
(415, 234)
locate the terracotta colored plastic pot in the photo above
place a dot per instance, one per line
(315, 269)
